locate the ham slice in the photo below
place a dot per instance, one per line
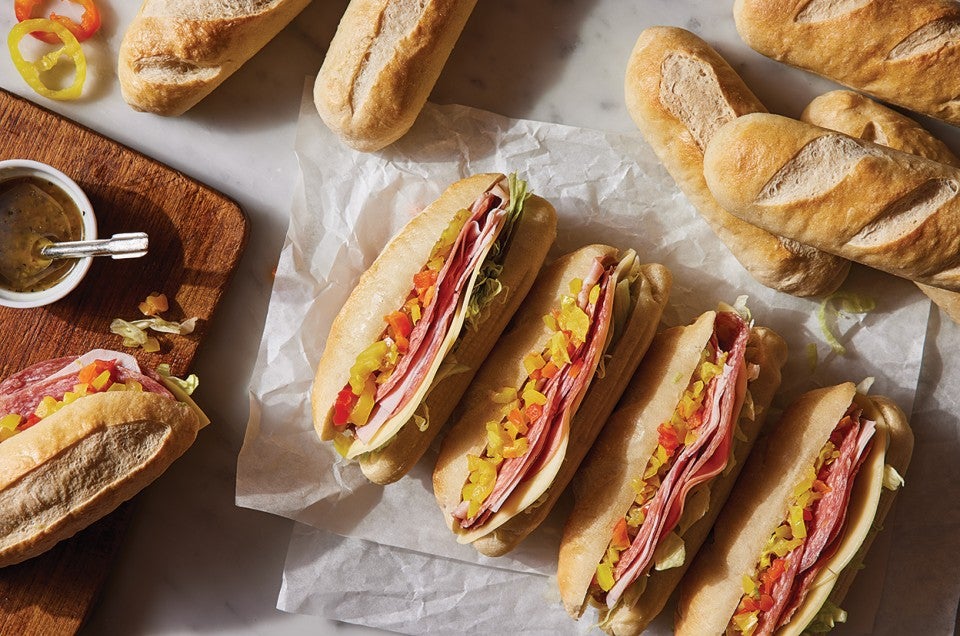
(23, 391)
(697, 463)
(826, 525)
(487, 218)
(563, 392)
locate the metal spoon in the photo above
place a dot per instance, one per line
(129, 245)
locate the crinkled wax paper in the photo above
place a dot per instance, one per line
(389, 559)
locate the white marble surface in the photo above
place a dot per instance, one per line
(192, 562)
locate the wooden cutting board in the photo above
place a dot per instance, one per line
(196, 238)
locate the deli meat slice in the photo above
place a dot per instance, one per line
(697, 463)
(826, 525)
(478, 234)
(563, 392)
(23, 391)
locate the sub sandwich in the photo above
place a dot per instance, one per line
(661, 470)
(801, 519)
(540, 399)
(80, 435)
(412, 334)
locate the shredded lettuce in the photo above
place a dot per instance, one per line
(671, 553)
(837, 303)
(188, 384)
(488, 285)
(826, 619)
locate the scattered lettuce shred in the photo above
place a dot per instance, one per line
(826, 619)
(188, 384)
(865, 385)
(892, 480)
(134, 332)
(835, 304)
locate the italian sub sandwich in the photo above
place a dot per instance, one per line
(886, 209)
(802, 516)
(412, 334)
(540, 399)
(653, 484)
(859, 116)
(679, 91)
(79, 435)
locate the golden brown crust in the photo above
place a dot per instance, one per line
(679, 91)
(174, 54)
(382, 64)
(866, 202)
(504, 368)
(859, 116)
(905, 53)
(80, 463)
(531, 240)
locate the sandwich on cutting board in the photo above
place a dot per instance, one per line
(679, 91)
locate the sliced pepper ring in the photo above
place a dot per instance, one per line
(30, 71)
(88, 25)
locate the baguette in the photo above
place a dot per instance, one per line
(604, 489)
(385, 288)
(859, 116)
(78, 463)
(868, 203)
(905, 53)
(639, 313)
(766, 493)
(679, 91)
(176, 52)
(382, 64)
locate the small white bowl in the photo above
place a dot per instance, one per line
(14, 168)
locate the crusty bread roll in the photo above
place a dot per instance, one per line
(382, 64)
(80, 463)
(712, 589)
(679, 91)
(175, 52)
(859, 116)
(505, 368)
(905, 53)
(384, 287)
(604, 490)
(868, 203)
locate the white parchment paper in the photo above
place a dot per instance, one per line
(404, 569)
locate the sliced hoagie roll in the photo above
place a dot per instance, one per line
(79, 436)
(859, 116)
(874, 205)
(422, 318)
(542, 396)
(801, 518)
(655, 481)
(679, 91)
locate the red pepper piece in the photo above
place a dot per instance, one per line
(620, 540)
(342, 408)
(88, 25)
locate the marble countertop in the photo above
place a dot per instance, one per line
(192, 561)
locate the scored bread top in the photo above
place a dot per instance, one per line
(679, 91)
(905, 52)
(881, 207)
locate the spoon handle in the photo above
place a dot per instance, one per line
(130, 245)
